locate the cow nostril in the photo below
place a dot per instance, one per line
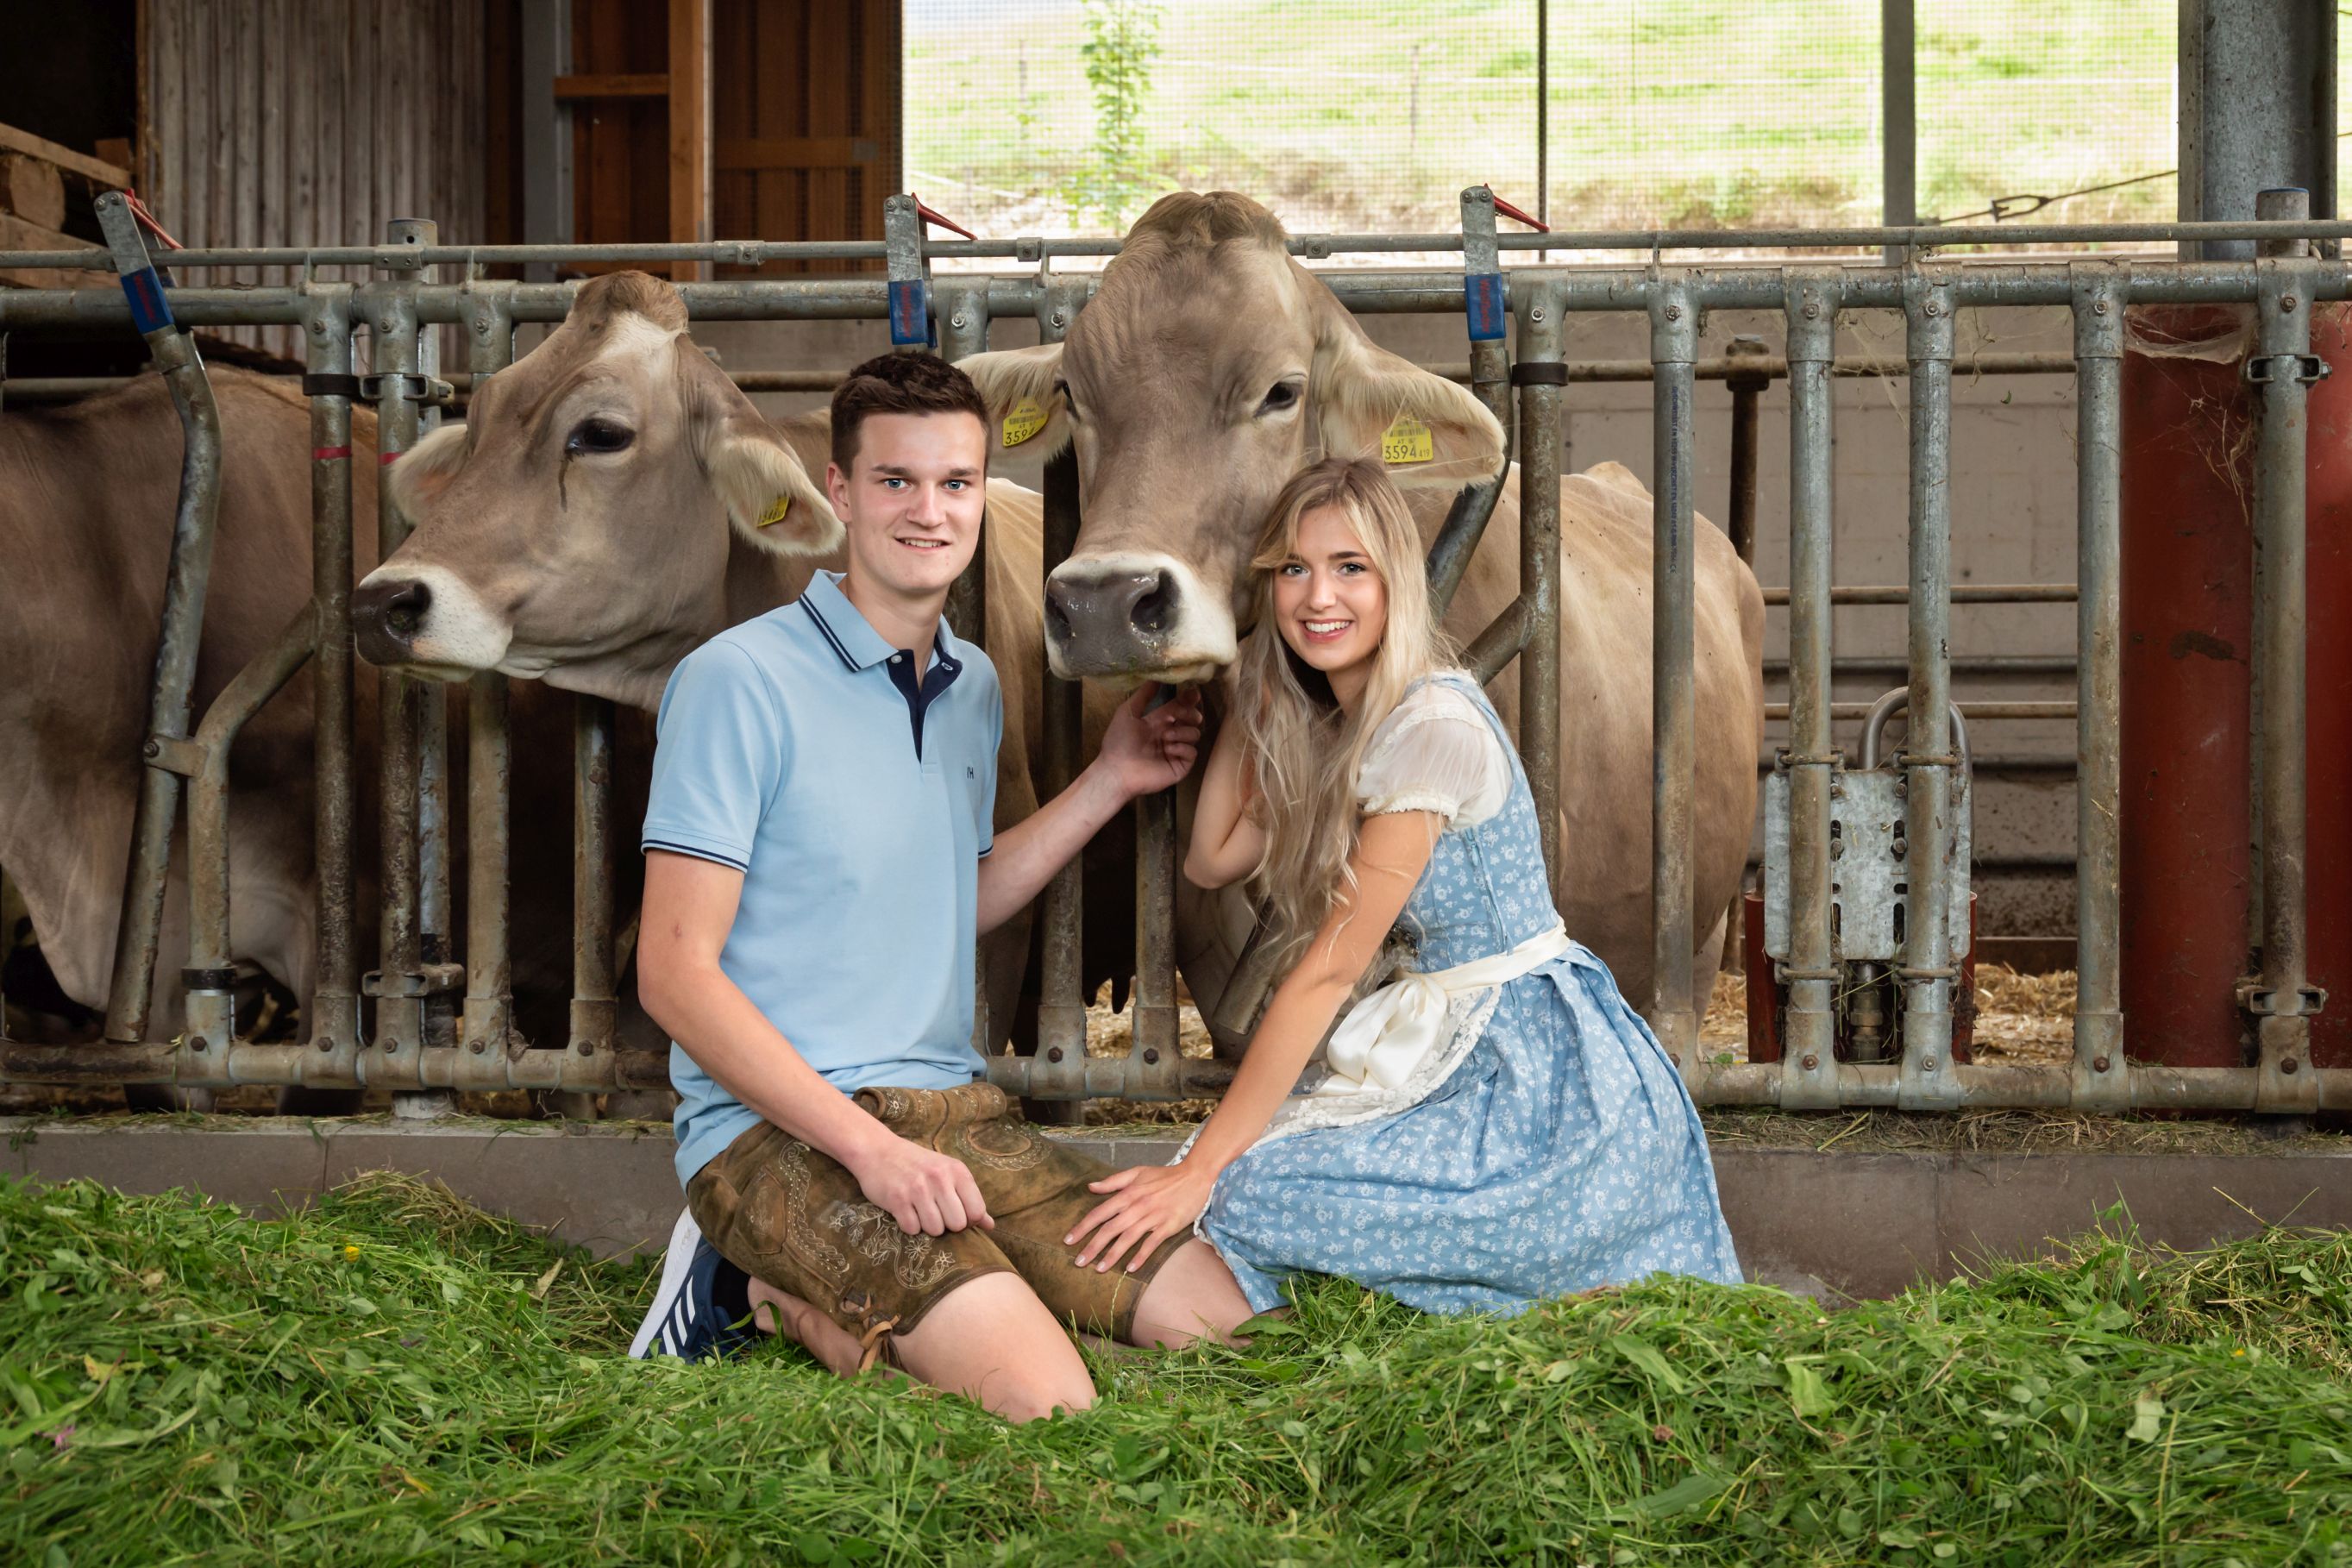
(1057, 612)
(401, 611)
(1155, 608)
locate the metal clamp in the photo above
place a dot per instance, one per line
(425, 980)
(1539, 372)
(2261, 370)
(330, 384)
(431, 391)
(208, 979)
(2263, 1003)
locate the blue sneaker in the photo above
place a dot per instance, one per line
(685, 1320)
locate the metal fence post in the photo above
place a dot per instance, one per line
(1061, 1058)
(334, 1020)
(1542, 381)
(398, 982)
(1674, 707)
(1927, 1080)
(139, 930)
(488, 1023)
(2282, 369)
(594, 1007)
(1809, 1061)
(2100, 1081)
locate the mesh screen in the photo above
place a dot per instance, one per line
(1367, 115)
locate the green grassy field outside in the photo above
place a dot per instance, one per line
(394, 1377)
(1353, 114)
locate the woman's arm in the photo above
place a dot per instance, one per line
(1152, 1202)
(1228, 840)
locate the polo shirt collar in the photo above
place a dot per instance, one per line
(848, 633)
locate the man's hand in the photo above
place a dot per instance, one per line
(1147, 1205)
(1149, 752)
(922, 1189)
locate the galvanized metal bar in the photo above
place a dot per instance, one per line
(1486, 312)
(1808, 1063)
(1747, 395)
(334, 1020)
(2021, 1088)
(1541, 456)
(1673, 704)
(1928, 760)
(488, 1022)
(2283, 370)
(1962, 594)
(1898, 139)
(139, 930)
(397, 985)
(963, 313)
(2099, 303)
(1059, 1067)
(2067, 711)
(594, 1008)
(211, 973)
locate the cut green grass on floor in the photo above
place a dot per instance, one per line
(395, 1377)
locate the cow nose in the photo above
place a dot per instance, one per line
(385, 617)
(1104, 622)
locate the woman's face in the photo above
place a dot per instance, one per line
(1330, 604)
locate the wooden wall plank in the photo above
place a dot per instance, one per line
(688, 128)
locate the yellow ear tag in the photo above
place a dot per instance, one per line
(1024, 421)
(1407, 441)
(776, 509)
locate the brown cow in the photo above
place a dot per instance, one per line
(87, 497)
(599, 576)
(1207, 370)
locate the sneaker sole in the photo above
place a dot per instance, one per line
(683, 1236)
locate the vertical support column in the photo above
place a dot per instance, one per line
(1674, 709)
(1809, 1062)
(594, 1005)
(2101, 1082)
(689, 131)
(546, 51)
(965, 309)
(138, 935)
(1927, 1081)
(435, 898)
(398, 982)
(2281, 371)
(1542, 381)
(1485, 305)
(1061, 1061)
(1900, 119)
(487, 1023)
(334, 1020)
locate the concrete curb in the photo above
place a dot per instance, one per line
(1830, 1224)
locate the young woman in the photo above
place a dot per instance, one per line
(1493, 1126)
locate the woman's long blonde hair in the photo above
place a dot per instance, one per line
(1302, 749)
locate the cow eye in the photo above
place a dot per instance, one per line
(1069, 402)
(1279, 396)
(598, 436)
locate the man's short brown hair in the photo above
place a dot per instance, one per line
(899, 383)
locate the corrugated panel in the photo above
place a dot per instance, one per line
(311, 123)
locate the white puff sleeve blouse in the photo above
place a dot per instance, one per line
(1435, 752)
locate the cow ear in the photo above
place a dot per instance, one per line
(1027, 410)
(414, 480)
(1370, 403)
(771, 501)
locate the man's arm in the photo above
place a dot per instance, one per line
(690, 907)
(1141, 752)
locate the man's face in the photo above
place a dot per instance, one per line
(911, 500)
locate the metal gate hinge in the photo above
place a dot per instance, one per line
(2264, 1003)
(2260, 370)
(425, 389)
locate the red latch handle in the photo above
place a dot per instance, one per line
(928, 216)
(147, 220)
(1507, 210)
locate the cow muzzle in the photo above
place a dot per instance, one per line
(1135, 617)
(425, 622)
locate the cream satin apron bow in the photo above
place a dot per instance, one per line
(1388, 1034)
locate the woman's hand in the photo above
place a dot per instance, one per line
(1147, 1205)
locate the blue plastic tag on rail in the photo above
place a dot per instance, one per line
(1484, 301)
(910, 313)
(149, 311)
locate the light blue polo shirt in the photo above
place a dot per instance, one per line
(799, 749)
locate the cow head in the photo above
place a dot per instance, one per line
(581, 514)
(1208, 369)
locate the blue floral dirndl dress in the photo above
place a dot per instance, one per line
(1561, 1154)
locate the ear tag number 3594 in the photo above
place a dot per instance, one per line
(1407, 440)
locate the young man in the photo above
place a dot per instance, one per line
(819, 865)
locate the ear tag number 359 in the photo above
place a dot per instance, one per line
(1408, 440)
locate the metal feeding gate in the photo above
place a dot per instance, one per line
(442, 1024)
